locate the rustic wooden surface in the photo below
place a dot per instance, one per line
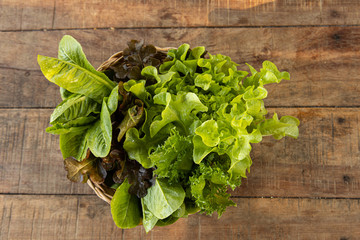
(307, 188)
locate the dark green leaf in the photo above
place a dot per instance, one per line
(99, 135)
(149, 219)
(73, 107)
(65, 93)
(164, 199)
(73, 144)
(113, 100)
(125, 208)
(76, 125)
(180, 212)
(173, 159)
(167, 221)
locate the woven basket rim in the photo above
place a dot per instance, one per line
(99, 189)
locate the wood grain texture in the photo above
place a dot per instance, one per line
(55, 217)
(60, 14)
(87, 217)
(31, 160)
(307, 188)
(27, 88)
(320, 60)
(323, 162)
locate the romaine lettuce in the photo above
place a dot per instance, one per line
(174, 139)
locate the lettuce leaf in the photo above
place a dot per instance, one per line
(173, 159)
(73, 107)
(99, 136)
(286, 126)
(209, 184)
(208, 113)
(139, 144)
(164, 199)
(191, 122)
(125, 208)
(180, 109)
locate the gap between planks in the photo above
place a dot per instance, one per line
(183, 27)
(315, 58)
(232, 197)
(66, 14)
(89, 218)
(268, 106)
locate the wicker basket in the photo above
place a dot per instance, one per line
(101, 190)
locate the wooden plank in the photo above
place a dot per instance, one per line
(31, 160)
(32, 14)
(322, 162)
(60, 14)
(56, 217)
(20, 88)
(87, 217)
(319, 60)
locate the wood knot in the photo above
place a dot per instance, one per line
(341, 120)
(346, 179)
(334, 14)
(336, 37)
(91, 213)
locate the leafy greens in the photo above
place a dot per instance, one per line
(172, 130)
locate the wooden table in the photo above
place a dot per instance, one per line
(307, 188)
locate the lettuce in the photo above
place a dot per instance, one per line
(207, 116)
(183, 129)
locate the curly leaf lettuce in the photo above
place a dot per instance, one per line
(180, 109)
(202, 116)
(190, 123)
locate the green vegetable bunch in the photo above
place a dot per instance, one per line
(170, 140)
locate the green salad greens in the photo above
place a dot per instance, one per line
(165, 133)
